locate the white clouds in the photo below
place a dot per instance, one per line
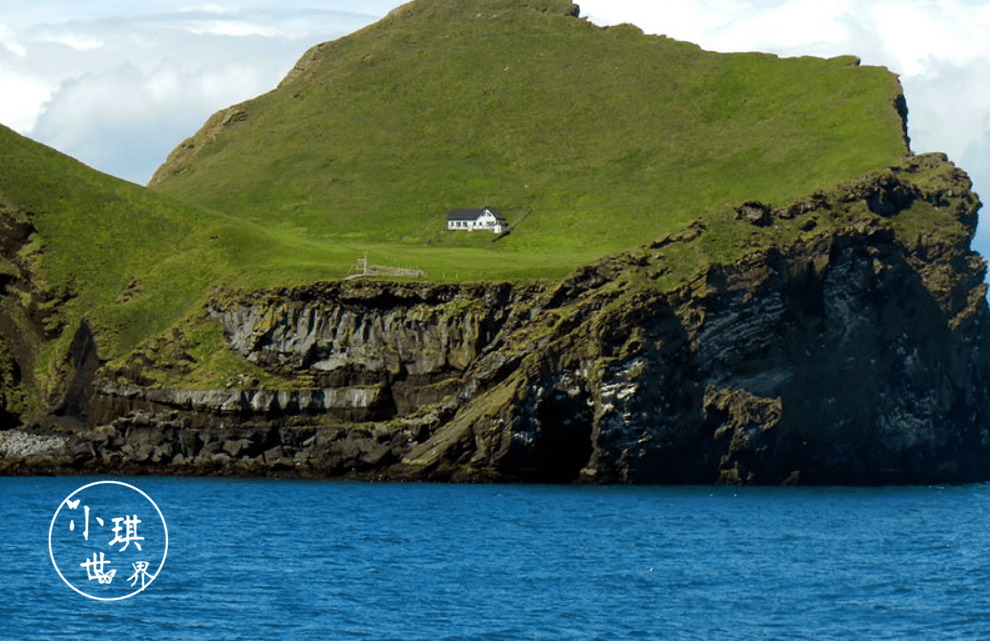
(74, 41)
(125, 119)
(208, 8)
(120, 91)
(165, 82)
(9, 41)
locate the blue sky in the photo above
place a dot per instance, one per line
(118, 84)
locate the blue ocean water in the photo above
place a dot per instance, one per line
(307, 560)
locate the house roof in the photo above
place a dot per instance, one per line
(472, 214)
(463, 214)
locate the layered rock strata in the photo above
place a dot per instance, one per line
(851, 347)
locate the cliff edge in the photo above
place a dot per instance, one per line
(848, 345)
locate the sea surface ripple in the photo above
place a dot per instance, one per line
(305, 560)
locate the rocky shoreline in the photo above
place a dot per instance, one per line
(15, 444)
(167, 444)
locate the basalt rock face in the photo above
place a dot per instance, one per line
(851, 347)
(416, 343)
(828, 363)
(349, 352)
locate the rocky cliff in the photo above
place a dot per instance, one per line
(845, 341)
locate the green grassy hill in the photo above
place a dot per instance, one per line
(131, 261)
(604, 137)
(590, 140)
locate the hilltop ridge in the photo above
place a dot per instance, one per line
(607, 136)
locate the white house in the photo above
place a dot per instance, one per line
(487, 219)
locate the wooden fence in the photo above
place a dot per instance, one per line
(364, 269)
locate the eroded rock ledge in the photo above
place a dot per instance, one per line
(852, 348)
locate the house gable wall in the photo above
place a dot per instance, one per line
(471, 219)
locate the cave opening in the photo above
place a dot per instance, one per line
(564, 446)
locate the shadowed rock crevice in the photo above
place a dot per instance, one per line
(901, 106)
(85, 363)
(563, 443)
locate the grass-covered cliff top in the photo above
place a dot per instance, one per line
(591, 140)
(920, 212)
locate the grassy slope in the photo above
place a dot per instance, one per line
(607, 136)
(135, 261)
